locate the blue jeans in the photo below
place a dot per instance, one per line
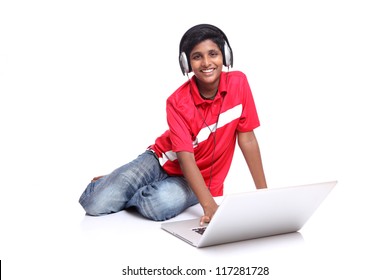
(142, 184)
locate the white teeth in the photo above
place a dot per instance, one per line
(207, 70)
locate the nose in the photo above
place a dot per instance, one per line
(205, 61)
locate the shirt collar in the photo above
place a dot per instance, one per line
(222, 90)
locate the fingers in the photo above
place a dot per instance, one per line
(204, 219)
(208, 214)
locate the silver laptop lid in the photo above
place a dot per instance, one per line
(255, 214)
(264, 212)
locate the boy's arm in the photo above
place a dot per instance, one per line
(250, 149)
(194, 178)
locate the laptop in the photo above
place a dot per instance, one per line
(254, 214)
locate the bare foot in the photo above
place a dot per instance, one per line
(96, 178)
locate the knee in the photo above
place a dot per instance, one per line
(95, 208)
(162, 206)
(97, 203)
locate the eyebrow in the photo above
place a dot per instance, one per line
(211, 50)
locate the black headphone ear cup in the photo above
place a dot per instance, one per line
(228, 55)
(185, 67)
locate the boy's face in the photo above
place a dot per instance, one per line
(207, 62)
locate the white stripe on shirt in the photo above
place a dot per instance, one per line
(224, 118)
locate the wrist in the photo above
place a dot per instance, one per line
(207, 201)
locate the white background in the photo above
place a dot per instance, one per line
(83, 86)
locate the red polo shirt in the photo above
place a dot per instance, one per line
(207, 128)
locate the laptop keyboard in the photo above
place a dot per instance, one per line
(199, 230)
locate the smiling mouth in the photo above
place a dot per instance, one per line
(209, 70)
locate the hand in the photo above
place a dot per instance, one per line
(208, 214)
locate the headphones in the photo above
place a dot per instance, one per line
(204, 28)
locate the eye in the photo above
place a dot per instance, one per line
(196, 57)
(214, 53)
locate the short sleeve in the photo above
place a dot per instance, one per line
(179, 128)
(249, 119)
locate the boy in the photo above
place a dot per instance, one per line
(189, 162)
